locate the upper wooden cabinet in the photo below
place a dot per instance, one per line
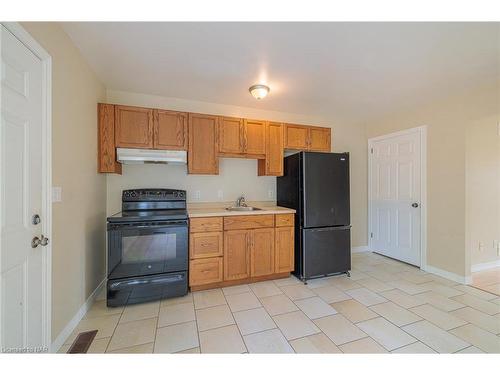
(170, 130)
(307, 138)
(106, 152)
(242, 138)
(203, 144)
(133, 127)
(272, 165)
(255, 137)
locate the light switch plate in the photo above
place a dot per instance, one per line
(56, 194)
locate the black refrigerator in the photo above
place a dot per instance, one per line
(316, 185)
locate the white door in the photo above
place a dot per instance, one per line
(23, 320)
(395, 193)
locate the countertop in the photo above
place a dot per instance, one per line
(209, 209)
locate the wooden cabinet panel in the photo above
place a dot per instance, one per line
(106, 152)
(255, 137)
(231, 135)
(205, 271)
(319, 139)
(170, 130)
(236, 255)
(285, 220)
(296, 137)
(273, 163)
(205, 245)
(133, 127)
(262, 259)
(284, 249)
(203, 144)
(205, 224)
(248, 222)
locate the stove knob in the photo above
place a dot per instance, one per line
(176, 194)
(181, 194)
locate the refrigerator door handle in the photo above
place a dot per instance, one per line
(327, 229)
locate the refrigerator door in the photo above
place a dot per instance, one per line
(325, 189)
(326, 251)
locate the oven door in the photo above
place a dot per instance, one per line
(140, 249)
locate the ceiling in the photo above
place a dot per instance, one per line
(343, 71)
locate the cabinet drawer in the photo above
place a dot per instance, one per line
(248, 222)
(205, 271)
(284, 220)
(205, 245)
(205, 224)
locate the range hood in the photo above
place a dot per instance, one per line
(142, 156)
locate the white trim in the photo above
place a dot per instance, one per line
(24, 37)
(447, 275)
(485, 266)
(422, 130)
(66, 332)
(360, 249)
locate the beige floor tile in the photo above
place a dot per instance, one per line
(222, 340)
(436, 338)
(366, 296)
(295, 325)
(279, 304)
(214, 317)
(385, 333)
(236, 289)
(409, 287)
(292, 280)
(493, 288)
(395, 314)
(402, 299)
(208, 298)
(243, 301)
(265, 289)
(319, 282)
(99, 308)
(358, 275)
(478, 304)
(475, 292)
(318, 343)
(416, 278)
(487, 322)
(344, 283)
(99, 346)
(382, 275)
(339, 329)
(375, 285)
(175, 314)
(443, 281)
(354, 310)
(444, 290)
(440, 318)
(105, 326)
(190, 351)
(176, 338)
(315, 307)
(138, 349)
(295, 292)
(496, 301)
(415, 348)
(478, 337)
(271, 341)
(140, 311)
(330, 294)
(252, 321)
(441, 302)
(178, 300)
(470, 350)
(362, 346)
(133, 333)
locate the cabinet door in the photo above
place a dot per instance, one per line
(236, 254)
(205, 271)
(203, 144)
(284, 249)
(296, 137)
(106, 152)
(255, 137)
(205, 245)
(231, 133)
(319, 139)
(273, 163)
(170, 130)
(133, 127)
(262, 252)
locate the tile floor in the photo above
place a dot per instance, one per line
(386, 306)
(488, 280)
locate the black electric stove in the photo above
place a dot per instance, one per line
(148, 247)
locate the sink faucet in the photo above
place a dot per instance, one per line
(240, 202)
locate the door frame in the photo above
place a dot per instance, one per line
(20, 33)
(422, 131)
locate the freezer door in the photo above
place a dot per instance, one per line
(326, 251)
(326, 189)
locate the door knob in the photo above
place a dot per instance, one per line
(414, 205)
(42, 241)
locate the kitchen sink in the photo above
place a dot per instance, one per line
(243, 208)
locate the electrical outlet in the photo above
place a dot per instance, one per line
(197, 195)
(220, 194)
(270, 194)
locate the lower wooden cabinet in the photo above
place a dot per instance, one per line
(205, 271)
(262, 252)
(236, 254)
(284, 249)
(205, 245)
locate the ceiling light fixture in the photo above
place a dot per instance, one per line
(259, 91)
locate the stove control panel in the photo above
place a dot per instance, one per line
(148, 195)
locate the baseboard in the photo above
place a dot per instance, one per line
(360, 249)
(447, 275)
(66, 332)
(485, 266)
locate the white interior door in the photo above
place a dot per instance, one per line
(395, 196)
(23, 294)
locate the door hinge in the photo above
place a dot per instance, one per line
(371, 150)
(371, 234)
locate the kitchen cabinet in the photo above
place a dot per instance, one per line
(272, 165)
(170, 130)
(262, 257)
(284, 249)
(236, 254)
(307, 138)
(205, 271)
(203, 144)
(106, 153)
(133, 127)
(242, 138)
(255, 138)
(319, 139)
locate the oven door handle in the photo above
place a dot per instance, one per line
(153, 227)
